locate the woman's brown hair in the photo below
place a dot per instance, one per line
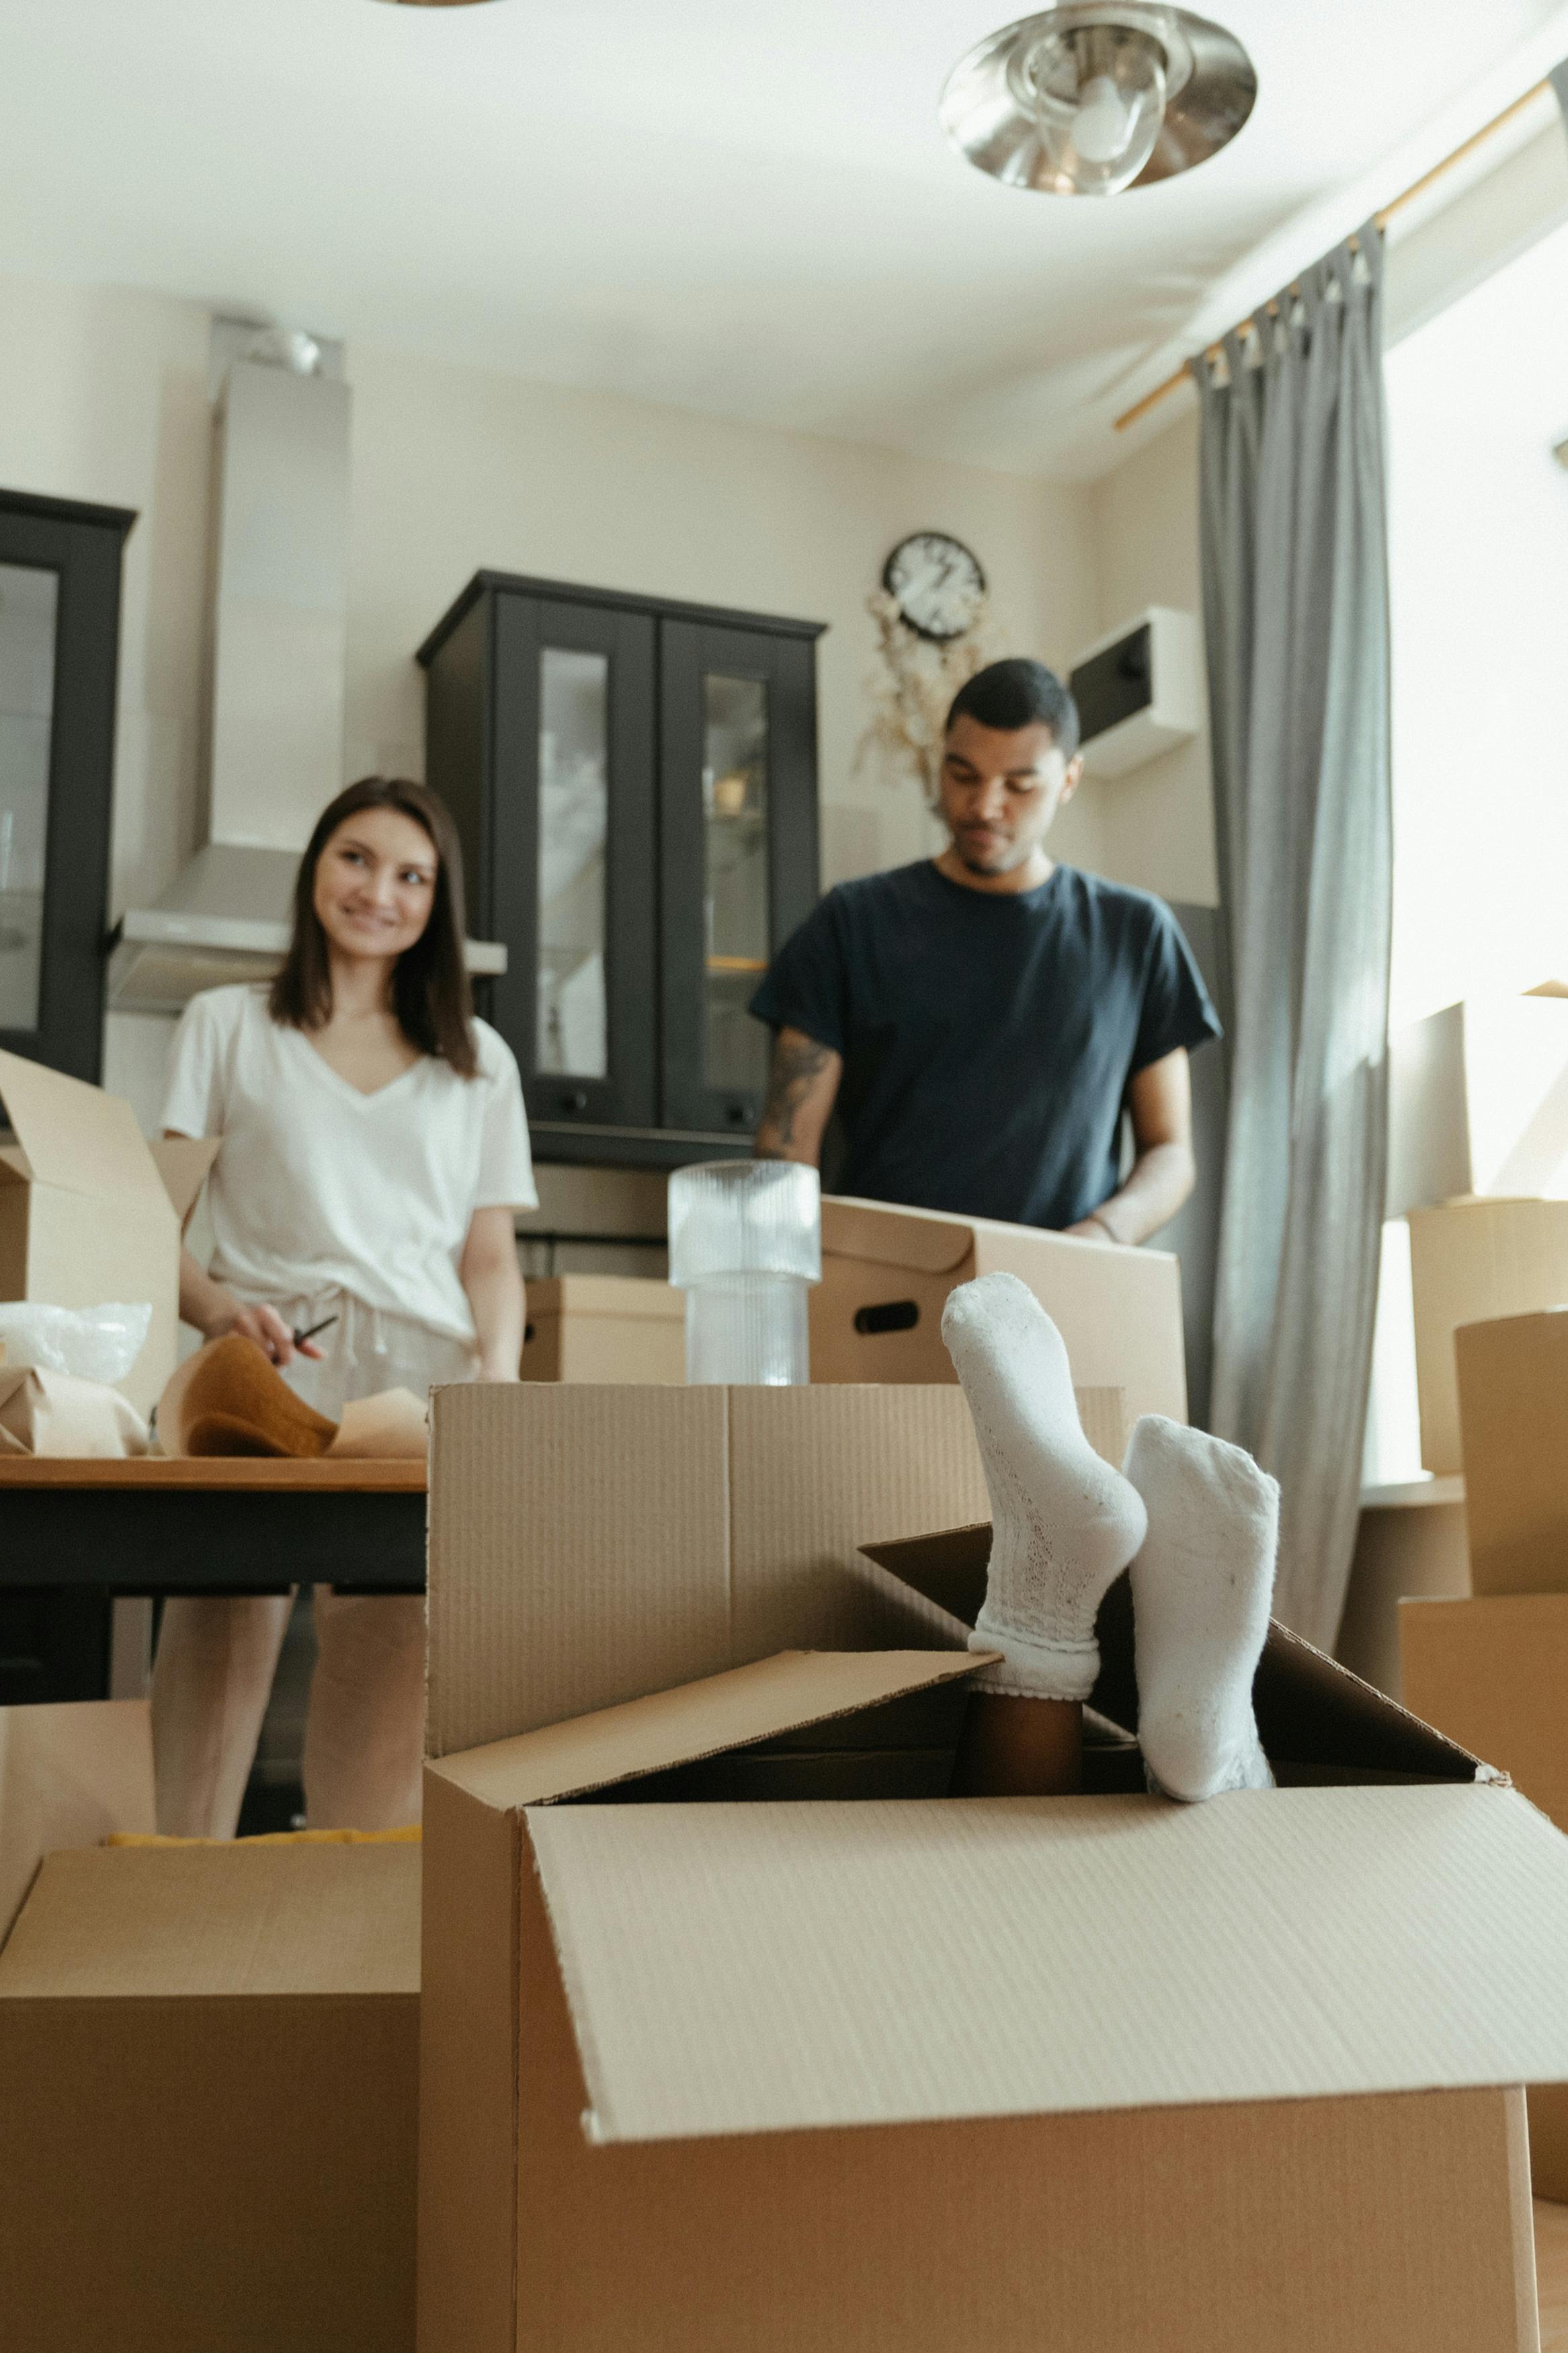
(430, 993)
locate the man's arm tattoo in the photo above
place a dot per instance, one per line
(795, 1067)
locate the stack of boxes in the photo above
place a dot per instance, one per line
(1480, 1134)
(1492, 1670)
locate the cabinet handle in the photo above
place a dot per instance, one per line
(575, 1101)
(738, 1114)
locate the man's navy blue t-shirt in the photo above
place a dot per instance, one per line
(987, 1037)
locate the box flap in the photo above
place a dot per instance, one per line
(182, 1163)
(749, 1969)
(117, 1920)
(926, 1240)
(701, 1719)
(71, 1772)
(73, 1136)
(1311, 1712)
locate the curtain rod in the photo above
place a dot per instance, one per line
(1140, 408)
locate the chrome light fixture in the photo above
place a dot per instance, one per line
(1089, 99)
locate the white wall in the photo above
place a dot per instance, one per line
(1156, 825)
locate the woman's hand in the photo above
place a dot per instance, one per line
(267, 1328)
(492, 1279)
(214, 1312)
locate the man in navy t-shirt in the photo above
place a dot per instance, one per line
(982, 1019)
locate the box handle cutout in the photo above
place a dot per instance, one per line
(892, 1316)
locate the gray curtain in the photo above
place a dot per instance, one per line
(1295, 614)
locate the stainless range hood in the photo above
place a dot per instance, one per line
(279, 627)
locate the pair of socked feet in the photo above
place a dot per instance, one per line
(1196, 1521)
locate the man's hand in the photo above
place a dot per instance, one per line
(801, 1086)
(1165, 1172)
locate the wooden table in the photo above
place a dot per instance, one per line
(211, 1525)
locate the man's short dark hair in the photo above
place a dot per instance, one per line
(1019, 693)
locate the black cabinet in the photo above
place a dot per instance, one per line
(635, 786)
(59, 635)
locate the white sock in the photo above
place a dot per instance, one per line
(1064, 1524)
(1201, 1588)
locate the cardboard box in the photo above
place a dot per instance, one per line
(877, 1314)
(1478, 1103)
(706, 2064)
(72, 1772)
(1471, 1262)
(605, 1327)
(616, 1541)
(85, 1214)
(1512, 1383)
(1492, 1674)
(208, 2078)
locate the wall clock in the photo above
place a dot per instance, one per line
(936, 584)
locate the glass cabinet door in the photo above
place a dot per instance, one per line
(739, 856)
(572, 886)
(29, 605)
(59, 629)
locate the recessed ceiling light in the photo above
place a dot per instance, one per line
(1089, 98)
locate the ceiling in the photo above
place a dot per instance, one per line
(739, 209)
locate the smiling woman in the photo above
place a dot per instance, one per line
(373, 1151)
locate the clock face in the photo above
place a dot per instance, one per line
(937, 584)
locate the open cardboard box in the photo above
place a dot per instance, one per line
(90, 1212)
(877, 1314)
(208, 2078)
(708, 2061)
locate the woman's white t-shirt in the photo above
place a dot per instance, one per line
(320, 1187)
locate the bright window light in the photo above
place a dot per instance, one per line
(1478, 565)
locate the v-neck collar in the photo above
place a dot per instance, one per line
(346, 1086)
